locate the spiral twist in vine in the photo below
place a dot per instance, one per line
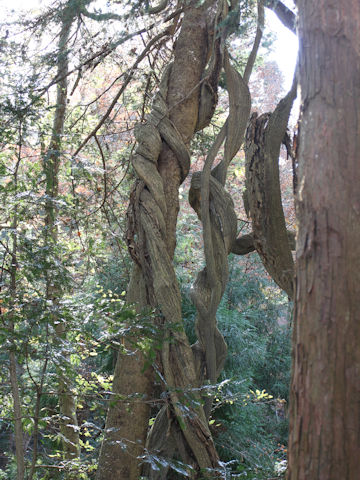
(216, 211)
(146, 238)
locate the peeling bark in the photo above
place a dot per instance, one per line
(263, 196)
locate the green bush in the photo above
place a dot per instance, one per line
(249, 417)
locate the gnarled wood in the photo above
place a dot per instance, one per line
(245, 243)
(161, 163)
(264, 136)
(215, 208)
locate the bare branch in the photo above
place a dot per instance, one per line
(107, 49)
(128, 78)
(245, 244)
(285, 15)
(104, 168)
(256, 45)
(100, 17)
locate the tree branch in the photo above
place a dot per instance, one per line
(285, 15)
(158, 8)
(258, 37)
(121, 90)
(264, 136)
(107, 49)
(245, 244)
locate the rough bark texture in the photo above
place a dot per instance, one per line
(263, 196)
(325, 392)
(215, 209)
(19, 435)
(128, 413)
(245, 244)
(162, 162)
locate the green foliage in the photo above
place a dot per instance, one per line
(89, 264)
(249, 416)
(251, 427)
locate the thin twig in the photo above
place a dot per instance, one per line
(129, 76)
(104, 168)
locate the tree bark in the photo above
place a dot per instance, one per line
(285, 15)
(325, 392)
(13, 363)
(54, 290)
(19, 434)
(162, 162)
(215, 209)
(264, 137)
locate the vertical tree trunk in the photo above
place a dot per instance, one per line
(54, 291)
(13, 363)
(19, 434)
(325, 392)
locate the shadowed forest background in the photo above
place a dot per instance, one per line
(148, 171)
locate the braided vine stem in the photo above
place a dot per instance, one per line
(147, 215)
(216, 211)
(161, 163)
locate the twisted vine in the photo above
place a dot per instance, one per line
(182, 423)
(146, 216)
(148, 246)
(216, 211)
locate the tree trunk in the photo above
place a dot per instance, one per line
(19, 434)
(54, 290)
(162, 162)
(264, 137)
(325, 391)
(13, 362)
